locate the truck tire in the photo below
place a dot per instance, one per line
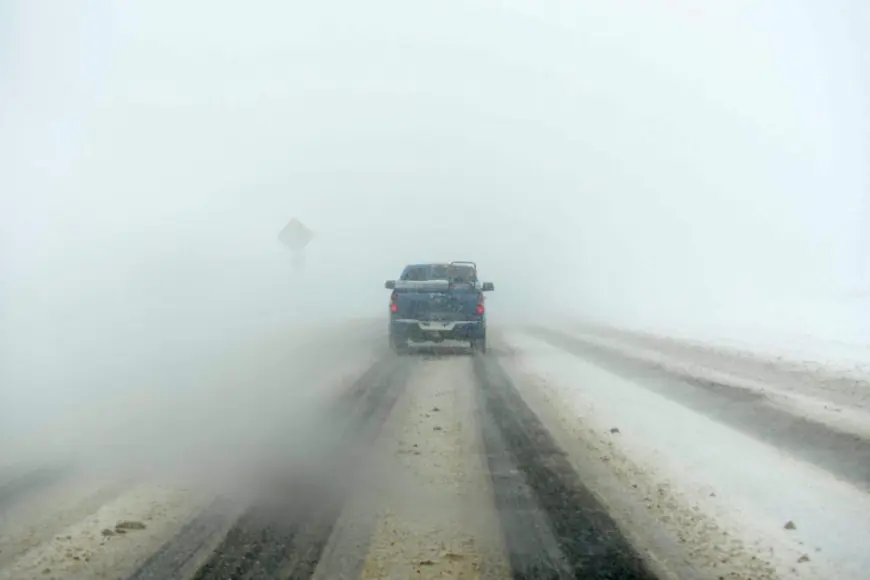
(478, 345)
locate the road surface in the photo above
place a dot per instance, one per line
(552, 456)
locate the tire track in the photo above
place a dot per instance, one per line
(182, 556)
(283, 533)
(554, 526)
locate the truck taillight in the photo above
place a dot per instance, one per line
(394, 305)
(480, 308)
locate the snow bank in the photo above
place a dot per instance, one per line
(830, 331)
(821, 395)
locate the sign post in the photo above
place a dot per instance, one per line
(296, 237)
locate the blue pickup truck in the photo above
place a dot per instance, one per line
(438, 302)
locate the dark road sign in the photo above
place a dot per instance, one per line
(295, 235)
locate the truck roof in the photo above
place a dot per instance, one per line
(443, 265)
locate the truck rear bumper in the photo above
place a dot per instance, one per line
(436, 331)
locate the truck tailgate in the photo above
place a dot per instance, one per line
(442, 306)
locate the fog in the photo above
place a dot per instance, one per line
(649, 164)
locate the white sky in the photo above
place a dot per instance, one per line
(653, 162)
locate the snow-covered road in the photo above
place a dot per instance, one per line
(578, 452)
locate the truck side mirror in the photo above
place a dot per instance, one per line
(390, 284)
(488, 287)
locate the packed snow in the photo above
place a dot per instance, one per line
(751, 490)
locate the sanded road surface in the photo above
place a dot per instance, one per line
(429, 465)
(441, 471)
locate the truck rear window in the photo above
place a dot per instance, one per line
(461, 274)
